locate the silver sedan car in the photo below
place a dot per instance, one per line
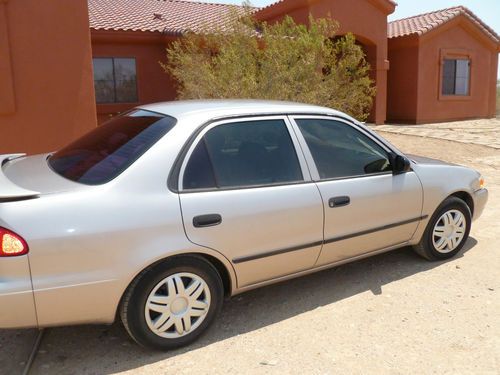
(163, 211)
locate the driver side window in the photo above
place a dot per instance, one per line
(341, 151)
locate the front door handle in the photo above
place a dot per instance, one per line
(207, 220)
(339, 201)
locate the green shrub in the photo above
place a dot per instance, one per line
(282, 61)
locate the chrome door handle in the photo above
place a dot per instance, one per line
(339, 201)
(207, 220)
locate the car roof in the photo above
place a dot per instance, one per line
(219, 108)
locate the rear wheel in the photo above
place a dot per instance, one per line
(447, 231)
(171, 304)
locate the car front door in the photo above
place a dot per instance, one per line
(246, 192)
(367, 207)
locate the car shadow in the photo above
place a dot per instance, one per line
(108, 349)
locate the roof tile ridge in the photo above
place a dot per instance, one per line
(428, 13)
(200, 3)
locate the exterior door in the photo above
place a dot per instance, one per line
(247, 193)
(367, 207)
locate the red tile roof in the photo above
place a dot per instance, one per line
(279, 4)
(424, 23)
(166, 16)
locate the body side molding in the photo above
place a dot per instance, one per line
(266, 254)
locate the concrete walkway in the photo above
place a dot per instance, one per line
(484, 132)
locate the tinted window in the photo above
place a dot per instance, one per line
(115, 80)
(244, 154)
(340, 150)
(199, 173)
(456, 77)
(108, 150)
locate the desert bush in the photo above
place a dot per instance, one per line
(281, 61)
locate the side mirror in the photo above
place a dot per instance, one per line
(400, 164)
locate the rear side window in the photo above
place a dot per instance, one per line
(108, 150)
(340, 151)
(243, 154)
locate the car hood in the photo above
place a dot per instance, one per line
(428, 161)
(24, 176)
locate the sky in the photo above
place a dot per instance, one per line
(487, 10)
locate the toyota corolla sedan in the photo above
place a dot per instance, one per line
(157, 215)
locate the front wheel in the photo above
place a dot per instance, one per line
(171, 304)
(447, 231)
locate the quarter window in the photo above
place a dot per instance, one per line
(243, 154)
(199, 173)
(456, 77)
(115, 80)
(339, 150)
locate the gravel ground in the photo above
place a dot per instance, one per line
(393, 313)
(480, 132)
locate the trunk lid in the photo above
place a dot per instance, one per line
(27, 177)
(8, 189)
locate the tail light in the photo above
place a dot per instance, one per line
(11, 244)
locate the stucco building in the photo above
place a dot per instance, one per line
(443, 67)
(46, 83)
(141, 30)
(97, 62)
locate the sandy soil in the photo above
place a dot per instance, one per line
(393, 313)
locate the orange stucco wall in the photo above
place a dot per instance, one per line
(456, 38)
(153, 84)
(364, 18)
(481, 103)
(402, 81)
(46, 84)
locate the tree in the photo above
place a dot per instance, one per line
(282, 61)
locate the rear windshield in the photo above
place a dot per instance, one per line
(108, 150)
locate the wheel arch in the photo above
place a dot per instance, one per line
(424, 247)
(464, 196)
(432, 207)
(221, 269)
(221, 264)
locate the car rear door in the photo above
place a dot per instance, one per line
(367, 207)
(246, 192)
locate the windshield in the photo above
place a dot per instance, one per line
(108, 150)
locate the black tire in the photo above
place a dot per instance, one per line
(426, 247)
(132, 307)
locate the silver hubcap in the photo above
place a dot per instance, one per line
(177, 305)
(449, 231)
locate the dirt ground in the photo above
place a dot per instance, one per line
(394, 313)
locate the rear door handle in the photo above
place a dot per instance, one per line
(339, 201)
(207, 220)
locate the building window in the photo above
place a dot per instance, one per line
(115, 80)
(456, 77)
